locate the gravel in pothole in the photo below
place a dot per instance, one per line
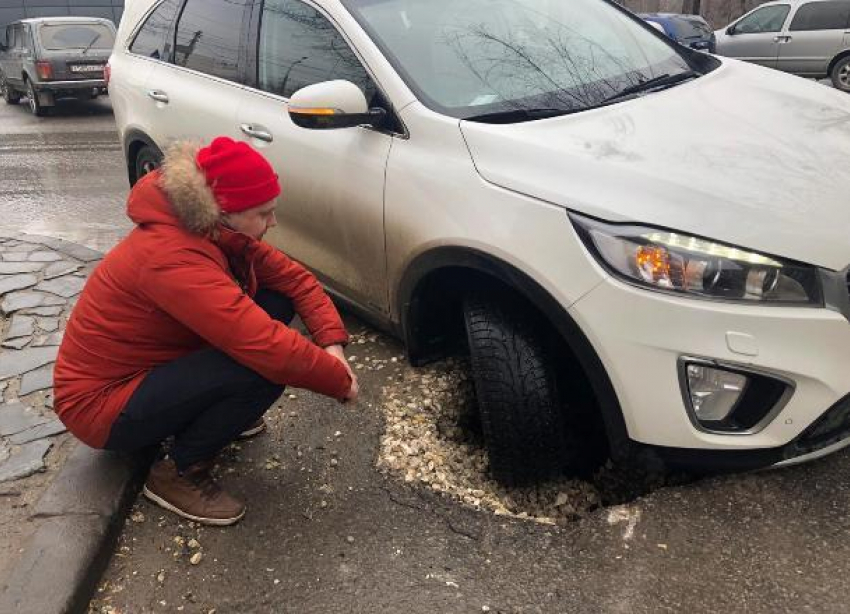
(430, 439)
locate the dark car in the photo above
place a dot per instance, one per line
(46, 59)
(689, 30)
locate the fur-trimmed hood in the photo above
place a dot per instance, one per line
(188, 200)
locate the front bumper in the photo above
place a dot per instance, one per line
(829, 434)
(641, 335)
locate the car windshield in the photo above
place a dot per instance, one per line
(474, 58)
(76, 36)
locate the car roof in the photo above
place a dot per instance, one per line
(686, 17)
(791, 2)
(62, 19)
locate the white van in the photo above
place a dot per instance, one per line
(640, 245)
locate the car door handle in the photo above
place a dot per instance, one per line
(158, 96)
(782, 39)
(257, 133)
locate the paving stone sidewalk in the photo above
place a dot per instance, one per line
(40, 279)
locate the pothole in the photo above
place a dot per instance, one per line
(431, 439)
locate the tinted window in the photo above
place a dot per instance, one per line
(208, 37)
(151, 39)
(822, 16)
(768, 19)
(691, 28)
(76, 36)
(300, 47)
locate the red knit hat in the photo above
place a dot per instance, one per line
(239, 176)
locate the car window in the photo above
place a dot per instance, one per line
(691, 28)
(151, 40)
(25, 39)
(76, 36)
(208, 34)
(300, 47)
(767, 19)
(13, 37)
(822, 16)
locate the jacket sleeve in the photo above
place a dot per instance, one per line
(193, 289)
(276, 271)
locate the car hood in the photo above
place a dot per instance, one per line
(743, 155)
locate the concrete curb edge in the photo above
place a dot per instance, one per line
(81, 515)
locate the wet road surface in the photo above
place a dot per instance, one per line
(63, 175)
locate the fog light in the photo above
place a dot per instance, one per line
(713, 392)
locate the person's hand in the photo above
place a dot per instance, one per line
(353, 391)
(337, 352)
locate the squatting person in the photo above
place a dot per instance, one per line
(182, 330)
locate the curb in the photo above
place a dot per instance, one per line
(81, 514)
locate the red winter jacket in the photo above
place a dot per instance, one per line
(164, 292)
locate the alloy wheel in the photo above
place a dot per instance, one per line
(844, 76)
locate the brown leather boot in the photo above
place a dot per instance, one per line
(193, 495)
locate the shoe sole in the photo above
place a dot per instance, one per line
(218, 522)
(252, 432)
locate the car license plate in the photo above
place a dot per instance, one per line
(86, 67)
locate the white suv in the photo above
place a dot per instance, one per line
(641, 245)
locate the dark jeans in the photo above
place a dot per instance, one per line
(204, 399)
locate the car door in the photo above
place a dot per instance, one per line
(6, 54)
(814, 36)
(26, 42)
(195, 95)
(755, 37)
(13, 65)
(331, 214)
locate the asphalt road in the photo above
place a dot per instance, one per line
(63, 175)
(769, 542)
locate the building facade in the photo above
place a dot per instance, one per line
(11, 10)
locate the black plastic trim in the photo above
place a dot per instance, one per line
(719, 461)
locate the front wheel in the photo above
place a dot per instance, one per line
(841, 75)
(148, 160)
(7, 92)
(521, 408)
(36, 107)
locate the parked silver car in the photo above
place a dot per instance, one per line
(810, 38)
(46, 59)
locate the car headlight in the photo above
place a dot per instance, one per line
(683, 264)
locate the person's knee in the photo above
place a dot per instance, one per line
(276, 305)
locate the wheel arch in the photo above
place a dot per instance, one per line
(435, 280)
(844, 54)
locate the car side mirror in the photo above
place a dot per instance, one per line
(332, 105)
(731, 30)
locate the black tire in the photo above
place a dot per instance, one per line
(841, 74)
(36, 107)
(521, 408)
(148, 159)
(10, 95)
